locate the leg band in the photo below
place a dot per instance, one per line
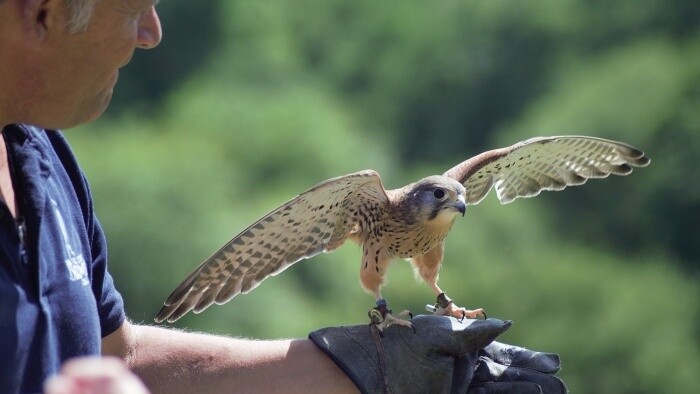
(383, 307)
(443, 301)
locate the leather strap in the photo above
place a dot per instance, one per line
(382, 357)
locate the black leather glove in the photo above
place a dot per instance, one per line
(503, 368)
(442, 355)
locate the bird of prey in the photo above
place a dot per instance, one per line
(410, 222)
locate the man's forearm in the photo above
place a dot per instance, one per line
(174, 361)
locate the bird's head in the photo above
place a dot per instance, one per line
(436, 197)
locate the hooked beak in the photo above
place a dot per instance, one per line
(460, 205)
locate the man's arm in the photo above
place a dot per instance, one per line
(174, 361)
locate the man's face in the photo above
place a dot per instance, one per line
(78, 71)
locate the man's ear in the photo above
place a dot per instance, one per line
(40, 17)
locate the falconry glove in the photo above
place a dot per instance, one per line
(401, 360)
(502, 368)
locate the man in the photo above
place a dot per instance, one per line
(59, 62)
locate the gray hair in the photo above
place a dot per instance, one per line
(80, 13)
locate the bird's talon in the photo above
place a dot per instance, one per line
(403, 315)
(388, 319)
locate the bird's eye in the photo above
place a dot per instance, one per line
(439, 193)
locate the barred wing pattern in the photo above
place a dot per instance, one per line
(316, 221)
(544, 163)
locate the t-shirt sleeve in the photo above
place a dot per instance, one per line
(110, 305)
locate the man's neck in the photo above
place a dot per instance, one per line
(7, 192)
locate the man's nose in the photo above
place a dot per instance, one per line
(150, 33)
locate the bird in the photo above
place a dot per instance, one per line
(409, 223)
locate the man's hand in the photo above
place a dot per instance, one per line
(94, 375)
(442, 355)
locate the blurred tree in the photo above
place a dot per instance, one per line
(193, 36)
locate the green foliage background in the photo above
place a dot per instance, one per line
(245, 104)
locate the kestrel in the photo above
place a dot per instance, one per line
(409, 223)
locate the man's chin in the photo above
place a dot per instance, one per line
(97, 111)
(78, 120)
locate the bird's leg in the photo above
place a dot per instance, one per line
(444, 306)
(382, 317)
(427, 267)
(374, 264)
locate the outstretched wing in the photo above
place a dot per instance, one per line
(544, 163)
(316, 221)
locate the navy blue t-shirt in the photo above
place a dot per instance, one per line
(57, 299)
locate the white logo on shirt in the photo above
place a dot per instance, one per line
(77, 270)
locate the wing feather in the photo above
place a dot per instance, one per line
(544, 163)
(315, 221)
